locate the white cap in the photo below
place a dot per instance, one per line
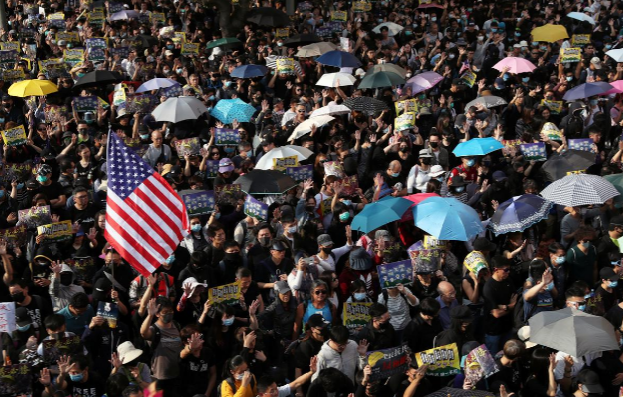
(524, 335)
(192, 283)
(436, 171)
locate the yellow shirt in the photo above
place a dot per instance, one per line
(246, 391)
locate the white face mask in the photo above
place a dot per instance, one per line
(481, 38)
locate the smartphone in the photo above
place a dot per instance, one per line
(308, 261)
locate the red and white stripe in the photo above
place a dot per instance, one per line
(147, 226)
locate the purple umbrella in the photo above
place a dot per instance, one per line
(423, 81)
(587, 90)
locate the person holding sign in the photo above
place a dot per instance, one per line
(379, 332)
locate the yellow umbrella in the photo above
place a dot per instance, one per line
(549, 33)
(37, 87)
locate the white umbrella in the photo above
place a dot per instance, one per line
(330, 110)
(315, 49)
(333, 79)
(305, 126)
(617, 54)
(580, 16)
(580, 189)
(179, 109)
(266, 162)
(125, 14)
(394, 28)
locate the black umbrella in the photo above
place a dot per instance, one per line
(570, 160)
(301, 40)
(267, 16)
(98, 77)
(366, 104)
(143, 40)
(265, 182)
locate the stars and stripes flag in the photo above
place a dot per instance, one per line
(145, 218)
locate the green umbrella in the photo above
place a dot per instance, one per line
(381, 79)
(617, 182)
(225, 41)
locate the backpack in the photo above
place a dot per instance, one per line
(231, 384)
(158, 335)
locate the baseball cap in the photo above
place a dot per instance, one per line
(225, 165)
(596, 62)
(499, 176)
(425, 153)
(590, 381)
(168, 52)
(617, 220)
(607, 273)
(193, 284)
(44, 170)
(324, 240)
(22, 317)
(436, 171)
(316, 321)
(101, 288)
(524, 335)
(282, 287)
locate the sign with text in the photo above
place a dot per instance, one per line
(15, 136)
(300, 173)
(35, 216)
(226, 136)
(228, 294)
(56, 232)
(7, 317)
(387, 362)
(534, 151)
(281, 163)
(198, 202)
(255, 208)
(392, 274)
(441, 361)
(356, 314)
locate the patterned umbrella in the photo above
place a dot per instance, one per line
(228, 110)
(366, 105)
(489, 101)
(617, 182)
(249, 71)
(340, 59)
(381, 79)
(519, 213)
(157, 83)
(580, 189)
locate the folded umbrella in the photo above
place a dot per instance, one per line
(549, 33)
(580, 16)
(515, 65)
(156, 83)
(381, 79)
(519, 213)
(392, 28)
(489, 101)
(573, 332)
(249, 71)
(266, 162)
(340, 59)
(35, 87)
(335, 79)
(388, 67)
(179, 109)
(379, 213)
(446, 218)
(587, 90)
(268, 16)
(330, 110)
(315, 49)
(365, 104)
(558, 165)
(423, 81)
(477, 147)
(223, 42)
(306, 126)
(228, 110)
(580, 189)
(265, 182)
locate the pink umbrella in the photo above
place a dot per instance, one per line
(618, 88)
(423, 81)
(431, 5)
(516, 65)
(416, 199)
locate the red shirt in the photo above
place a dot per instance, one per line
(471, 172)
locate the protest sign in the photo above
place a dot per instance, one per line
(406, 106)
(362, 6)
(53, 349)
(8, 56)
(187, 147)
(425, 261)
(404, 121)
(300, 173)
(306, 6)
(7, 317)
(580, 39)
(68, 36)
(334, 168)
(10, 45)
(475, 261)
(555, 107)
(56, 232)
(255, 208)
(469, 78)
(225, 191)
(350, 184)
(432, 243)
(441, 361)
(85, 103)
(356, 314)
(190, 48)
(157, 17)
(510, 146)
(226, 136)
(84, 268)
(96, 42)
(335, 26)
(285, 65)
(73, 56)
(282, 33)
(14, 236)
(281, 163)
(228, 294)
(583, 144)
(33, 217)
(171, 92)
(570, 55)
(479, 364)
(534, 151)
(96, 54)
(212, 168)
(179, 37)
(198, 202)
(123, 52)
(140, 103)
(392, 274)
(387, 362)
(341, 16)
(16, 380)
(13, 75)
(324, 31)
(15, 136)
(109, 311)
(551, 131)
(114, 7)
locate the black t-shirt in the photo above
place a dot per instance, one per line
(498, 293)
(52, 191)
(93, 387)
(305, 351)
(85, 217)
(195, 372)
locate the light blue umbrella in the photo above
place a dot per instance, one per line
(477, 147)
(228, 110)
(157, 83)
(249, 71)
(446, 218)
(380, 213)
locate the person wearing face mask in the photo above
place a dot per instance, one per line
(419, 174)
(582, 258)
(62, 287)
(557, 258)
(229, 265)
(608, 243)
(196, 239)
(14, 343)
(379, 332)
(37, 307)
(126, 362)
(53, 190)
(239, 381)
(539, 290)
(468, 169)
(274, 268)
(191, 304)
(75, 378)
(606, 294)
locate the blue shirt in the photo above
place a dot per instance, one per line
(444, 312)
(76, 324)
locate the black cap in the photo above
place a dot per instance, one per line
(268, 139)
(607, 273)
(278, 246)
(316, 321)
(617, 220)
(22, 317)
(482, 244)
(590, 381)
(101, 288)
(458, 181)
(461, 313)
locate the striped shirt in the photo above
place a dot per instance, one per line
(398, 308)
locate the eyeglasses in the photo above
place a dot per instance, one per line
(320, 292)
(215, 153)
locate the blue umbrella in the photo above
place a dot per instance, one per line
(587, 90)
(477, 147)
(157, 83)
(228, 110)
(380, 213)
(339, 59)
(249, 71)
(446, 218)
(519, 213)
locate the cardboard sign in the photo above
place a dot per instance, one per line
(7, 317)
(33, 217)
(15, 136)
(551, 131)
(570, 55)
(583, 144)
(324, 31)
(388, 362)
(187, 147)
(392, 274)
(85, 103)
(157, 17)
(255, 208)
(8, 56)
(534, 151)
(57, 231)
(14, 236)
(281, 163)
(198, 202)
(16, 380)
(404, 121)
(356, 314)
(226, 136)
(341, 16)
(179, 37)
(580, 39)
(53, 349)
(228, 294)
(406, 106)
(285, 65)
(475, 261)
(301, 173)
(441, 361)
(109, 311)
(555, 107)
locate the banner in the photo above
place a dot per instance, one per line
(356, 314)
(571, 54)
(301, 173)
(583, 144)
(255, 208)
(109, 311)
(15, 136)
(228, 294)
(441, 361)
(404, 121)
(392, 274)
(187, 147)
(534, 151)
(56, 232)
(226, 136)
(85, 103)
(7, 317)
(16, 380)
(281, 163)
(388, 362)
(475, 261)
(33, 217)
(198, 202)
(285, 65)
(14, 236)
(555, 107)
(53, 349)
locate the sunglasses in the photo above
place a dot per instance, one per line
(320, 292)
(215, 153)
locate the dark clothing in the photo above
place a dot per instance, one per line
(195, 372)
(605, 245)
(101, 342)
(93, 387)
(420, 335)
(498, 293)
(378, 339)
(305, 351)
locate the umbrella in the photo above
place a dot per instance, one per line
(268, 16)
(549, 33)
(301, 40)
(266, 162)
(587, 90)
(617, 54)
(330, 110)
(98, 77)
(249, 71)
(265, 182)
(393, 28)
(447, 219)
(144, 41)
(124, 14)
(306, 126)
(516, 65)
(228, 110)
(223, 42)
(489, 101)
(618, 88)
(333, 79)
(573, 332)
(388, 67)
(36, 87)
(557, 166)
(340, 59)
(450, 391)
(271, 62)
(415, 199)
(179, 109)
(519, 213)
(379, 213)
(430, 5)
(477, 147)
(366, 105)
(617, 182)
(381, 79)
(157, 83)
(580, 16)
(580, 189)
(315, 49)
(423, 81)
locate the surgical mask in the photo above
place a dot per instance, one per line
(408, 33)
(592, 102)
(615, 263)
(227, 322)
(170, 46)
(2, 194)
(613, 284)
(344, 216)
(543, 48)
(196, 227)
(481, 38)
(549, 287)
(80, 74)
(179, 70)
(167, 318)
(249, 153)
(506, 77)
(24, 328)
(1, 119)
(426, 161)
(560, 260)
(569, 78)
(440, 179)
(76, 377)
(433, 19)
(434, 145)
(582, 308)
(211, 98)
(525, 79)
(232, 256)
(239, 376)
(517, 34)
(217, 215)
(608, 46)
(20, 186)
(142, 31)
(451, 56)
(347, 203)
(166, 71)
(409, 75)
(486, 163)
(459, 189)
(170, 259)
(535, 43)
(395, 174)
(144, 136)
(42, 178)
(359, 296)
(228, 83)
(279, 44)
(292, 229)
(586, 244)
(471, 162)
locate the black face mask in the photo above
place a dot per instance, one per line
(310, 208)
(232, 256)
(66, 279)
(265, 241)
(18, 297)
(434, 145)
(326, 250)
(404, 149)
(425, 161)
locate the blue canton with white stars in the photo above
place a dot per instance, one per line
(126, 170)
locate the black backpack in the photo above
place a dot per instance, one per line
(231, 383)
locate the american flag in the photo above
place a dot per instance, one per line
(145, 218)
